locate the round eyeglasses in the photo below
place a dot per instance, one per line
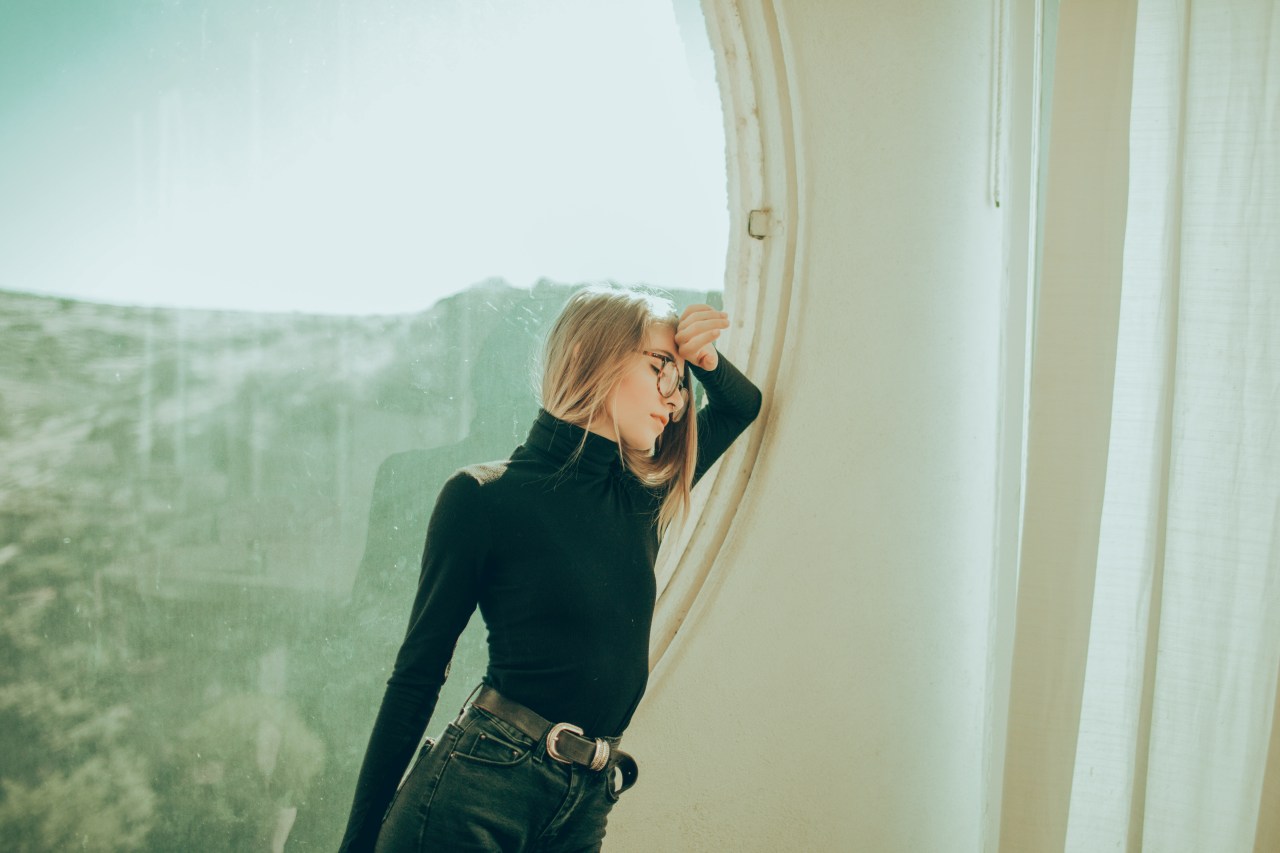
(670, 381)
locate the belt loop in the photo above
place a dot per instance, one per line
(470, 696)
(540, 750)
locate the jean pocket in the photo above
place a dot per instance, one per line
(489, 741)
(421, 757)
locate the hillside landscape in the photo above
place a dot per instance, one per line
(210, 524)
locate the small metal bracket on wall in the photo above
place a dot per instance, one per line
(758, 223)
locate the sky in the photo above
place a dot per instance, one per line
(336, 156)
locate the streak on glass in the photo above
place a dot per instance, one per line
(255, 307)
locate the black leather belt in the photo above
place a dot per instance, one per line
(566, 743)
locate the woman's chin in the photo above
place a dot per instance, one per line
(645, 445)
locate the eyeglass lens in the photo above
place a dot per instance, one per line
(668, 381)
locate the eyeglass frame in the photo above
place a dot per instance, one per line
(681, 384)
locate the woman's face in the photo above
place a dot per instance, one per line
(641, 411)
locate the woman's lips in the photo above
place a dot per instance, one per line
(661, 420)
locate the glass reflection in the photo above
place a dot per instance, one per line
(211, 520)
(212, 525)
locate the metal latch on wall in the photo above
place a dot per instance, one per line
(758, 223)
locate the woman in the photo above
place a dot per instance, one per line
(556, 546)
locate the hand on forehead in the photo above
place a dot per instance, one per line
(695, 338)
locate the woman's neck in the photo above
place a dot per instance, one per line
(602, 426)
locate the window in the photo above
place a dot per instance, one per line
(271, 272)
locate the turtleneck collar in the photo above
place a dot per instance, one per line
(560, 439)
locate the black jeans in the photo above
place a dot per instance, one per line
(486, 786)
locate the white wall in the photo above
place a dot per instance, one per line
(828, 691)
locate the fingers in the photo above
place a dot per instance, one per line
(700, 311)
(697, 306)
(692, 347)
(700, 325)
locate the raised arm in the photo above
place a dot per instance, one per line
(457, 539)
(733, 402)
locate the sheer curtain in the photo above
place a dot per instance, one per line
(1143, 705)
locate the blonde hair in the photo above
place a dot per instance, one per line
(588, 351)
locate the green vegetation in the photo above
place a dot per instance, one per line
(210, 528)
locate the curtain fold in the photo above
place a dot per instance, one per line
(1147, 648)
(1184, 644)
(1069, 419)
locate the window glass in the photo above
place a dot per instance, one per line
(269, 273)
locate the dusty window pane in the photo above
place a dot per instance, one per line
(298, 276)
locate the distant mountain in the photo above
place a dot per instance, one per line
(210, 530)
(221, 448)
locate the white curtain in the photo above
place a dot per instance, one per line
(1184, 642)
(1143, 707)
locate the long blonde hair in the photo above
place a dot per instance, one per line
(588, 351)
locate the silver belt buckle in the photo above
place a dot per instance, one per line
(598, 760)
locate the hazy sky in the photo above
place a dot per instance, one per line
(355, 157)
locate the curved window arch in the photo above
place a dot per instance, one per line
(761, 279)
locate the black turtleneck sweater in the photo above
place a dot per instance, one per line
(559, 557)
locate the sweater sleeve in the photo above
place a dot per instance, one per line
(733, 402)
(457, 541)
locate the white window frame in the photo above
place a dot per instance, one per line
(761, 277)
